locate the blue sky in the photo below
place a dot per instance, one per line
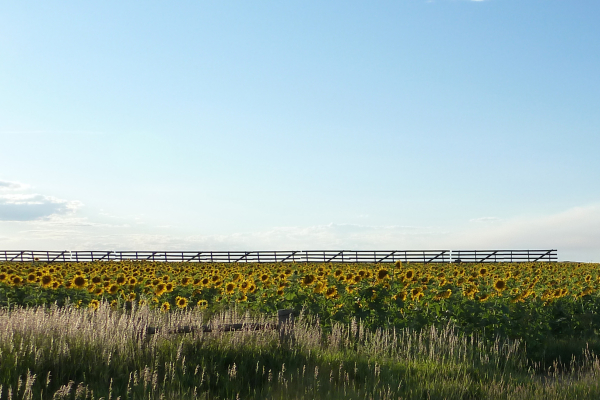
(300, 125)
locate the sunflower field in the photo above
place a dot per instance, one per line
(529, 301)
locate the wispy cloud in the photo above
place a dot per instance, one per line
(574, 232)
(46, 222)
(8, 185)
(79, 233)
(485, 219)
(28, 207)
(16, 204)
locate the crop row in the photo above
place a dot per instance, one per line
(530, 301)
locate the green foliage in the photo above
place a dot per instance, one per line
(537, 303)
(78, 353)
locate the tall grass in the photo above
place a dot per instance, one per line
(73, 353)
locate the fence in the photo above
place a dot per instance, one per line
(325, 256)
(480, 256)
(285, 320)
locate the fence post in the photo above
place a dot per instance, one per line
(285, 323)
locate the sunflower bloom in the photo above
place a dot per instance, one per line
(181, 302)
(308, 280)
(79, 282)
(401, 295)
(500, 285)
(94, 304)
(160, 289)
(46, 280)
(484, 297)
(229, 288)
(331, 292)
(202, 304)
(382, 274)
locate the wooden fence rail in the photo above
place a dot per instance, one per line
(325, 256)
(480, 256)
(285, 321)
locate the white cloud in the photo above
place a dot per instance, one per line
(8, 185)
(44, 222)
(485, 219)
(27, 207)
(574, 232)
(80, 234)
(16, 204)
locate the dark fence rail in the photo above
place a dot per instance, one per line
(480, 256)
(346, 256)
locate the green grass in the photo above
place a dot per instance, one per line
(71, 353)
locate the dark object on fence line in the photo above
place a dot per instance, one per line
(218, 328)
(285, 319)
(285, 323)
(325, 256)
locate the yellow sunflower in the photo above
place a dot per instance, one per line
(202, 304)
(382, 274)
(402, 295)
(181, 302)
(229, 288)
(160, 289)
(444, 294)
(79, 282)
(500, 285)
(331, 292)
(319, 287)
(46, 280)
(308, 280)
